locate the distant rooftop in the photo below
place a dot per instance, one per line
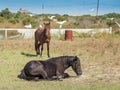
(23, 11)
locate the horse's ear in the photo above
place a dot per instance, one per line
(75, 58)
(49, 22)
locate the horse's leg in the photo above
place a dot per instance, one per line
(48, 49)
(65, 75)
(24, 76)
(44, 75)
(41, 50)
(37, 47)
(59, 75)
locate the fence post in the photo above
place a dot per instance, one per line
(5, 33)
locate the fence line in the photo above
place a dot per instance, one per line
(29, 33)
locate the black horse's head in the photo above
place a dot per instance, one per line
(76, 66)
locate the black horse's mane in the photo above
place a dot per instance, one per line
(63, 60)
(60, 58)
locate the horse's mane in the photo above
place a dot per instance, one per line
(60, 58)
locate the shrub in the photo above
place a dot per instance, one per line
(2, 19)
(102, 35)
(116, 34)
(13, 21)
(84, 35)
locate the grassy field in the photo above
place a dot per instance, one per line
(100, 59)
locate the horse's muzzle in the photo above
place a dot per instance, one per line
(80, 73)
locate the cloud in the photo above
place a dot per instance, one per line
(92, 10)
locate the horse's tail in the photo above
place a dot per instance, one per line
(22, 75)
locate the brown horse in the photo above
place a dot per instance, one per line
(42, 36)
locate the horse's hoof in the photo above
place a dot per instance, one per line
(40, 55)
(36, 79)
(60, 79)
(48, 56)
(37, 55)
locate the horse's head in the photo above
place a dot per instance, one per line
(47, 26)
(76, 66)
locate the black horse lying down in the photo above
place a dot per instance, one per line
(51, 68)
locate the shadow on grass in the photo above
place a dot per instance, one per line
(41, 79)
(28, 54)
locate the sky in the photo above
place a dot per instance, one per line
(71, 7)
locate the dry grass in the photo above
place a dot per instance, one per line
(10, 25)
(100, 59)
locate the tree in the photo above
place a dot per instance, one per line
(110, 15)
(30, 20)
(6, 13)
(18, 15)
(26, 21)
(61, 18)
(110, 23)
(13, 20)
(2, 19)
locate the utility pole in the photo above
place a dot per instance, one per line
(97, 11)
(97, 8)
(42, 8)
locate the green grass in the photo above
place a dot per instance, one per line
(99, 59)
